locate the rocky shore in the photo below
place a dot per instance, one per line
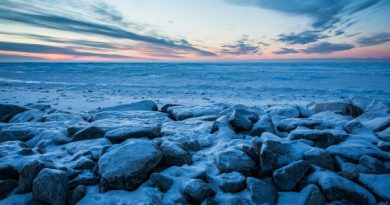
(142, 153)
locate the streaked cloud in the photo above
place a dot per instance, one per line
(243, 46)
(301, 38)
(326, 47)
(376, 39)
(283, 51)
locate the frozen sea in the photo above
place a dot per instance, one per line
(70, 84)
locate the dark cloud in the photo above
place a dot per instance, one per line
(241, 47)
(326, 47)
(283, 51)
(301, 38)
(18, 58)
(38, 48)
(325, 13)
(375, 39)
(18, 13)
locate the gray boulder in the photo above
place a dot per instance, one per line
(136, 131)
(289, 124)
(6, 187)
(288, 176)
(197, 191)
(354, 149)
(28, 116)
(232, 182)
(8, 171)
(288, 111)
(161, 181)
(234, 160)
(264, 124)
(51, 186)
(321, 138)
(146, 105)
(384, 146)
(371, 165)
(379, 184)
(261, 191)
(15, 135)
(174, 154)
(127, 166)
(7, 111)
(242, 120)
(320, 158)
(28, 173)
(310, 195)
(77, 194)
(88, 133)
(385, 135)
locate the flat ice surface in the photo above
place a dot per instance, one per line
(103, 84)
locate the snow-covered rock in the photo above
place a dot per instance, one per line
(354, 149)
(377, 184)
(28, 116)
(51, 186)
(146, 105)
(88, 133)
(242, 120)
(163, 182)
(174, 154)
(288, 176)
(261, 191)
(234, 160)
(121, 134)
(320, 158)
(264, 124)
(196, 191)
(321, 138)
(288, 111)
(310, 195)
(7, 111)
(231, 182)
(28, 173)
(185, 112)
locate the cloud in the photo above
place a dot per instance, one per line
(326, 47)
(283, 51)
(301, 38)
(38, 48)
(18, 12)
(376, 39)
(325, 13)
(241, 47)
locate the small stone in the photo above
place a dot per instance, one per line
(379, 184)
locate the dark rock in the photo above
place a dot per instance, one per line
(184, 112)
(349, 170)
(51, 186)
(336, 107)
(379, 184)
(385, 135)
(310, 195)
(127, 166)
(264, 124)
(319, 157)
(321, 138)
(371, 165)
(336, 188)
(289, 124)
(197, 191)
(77, 194)
(384, 146)
(288, 176)
(15, 135)
(84, 163)
(8, 171)
(88, 133)
(353, 110)
(354, 149)
(174, 154)
(161, 181)
(242, 120)
(85, 178)
(352, 125)
(142, 130)
(28, 173)
(230, 160)
(28, 116)
(288, 111)
(236, 201)
(232, 182)
(8, 111)
(6, 187)
(261, 191)
(166, 106)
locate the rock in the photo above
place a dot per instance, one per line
(166, 106)
(384, 146)
(310, 195)
(6, 187)
(88, 133)
(349, 170)
(146, 105)
(197, 191)
(184, 112)
(385, 135)
(371, 165)
(51, 186)
(242, 120)
(127, 166)
(320, 158)
(63, 117)
(230, 160)
(336, 107)
(352, 125)
(378, 124)
(275, 154)
(174, 154)
(264, 124)
(353, 110)
(288, 176)
(28, 116)
(379, 184)
(232, 182)
(336, 188)
(8, 171)
(261, 191)
(15, 135)
(7, 111)
(236, 201)
(84, 163)
(28, 173)
(77, 194)
(161, 181)
(321, 138)
(289, 124)
(142, 130)
(288, 111)
(354, 149)
(85, 178)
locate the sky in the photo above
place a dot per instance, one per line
(193, 30)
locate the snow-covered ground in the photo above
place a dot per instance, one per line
(176, 134)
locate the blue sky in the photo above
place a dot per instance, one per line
(138, 30)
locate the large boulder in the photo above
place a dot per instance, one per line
(289, 124)
(337, 107)
(197, 191)
(261, 191)
(288, 176)
(234, 160)
(185, 112)
(88, 133)
(8, 111)
(232, 182)
(321, 138)
(8, 171)
(174, 154)
(337, 188)
(28, 116)
(242, 120)
(354, 149)
(379, 184)
(127, 166)
(146, 105)
(121, 134)
(16, 135)
(51, 186)
(320, 158)
(6, 187)
(288, 111)
(310, 195)
(28, 173)
(264, 124)
(385, 135)
(371, 165)
(161, 181)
